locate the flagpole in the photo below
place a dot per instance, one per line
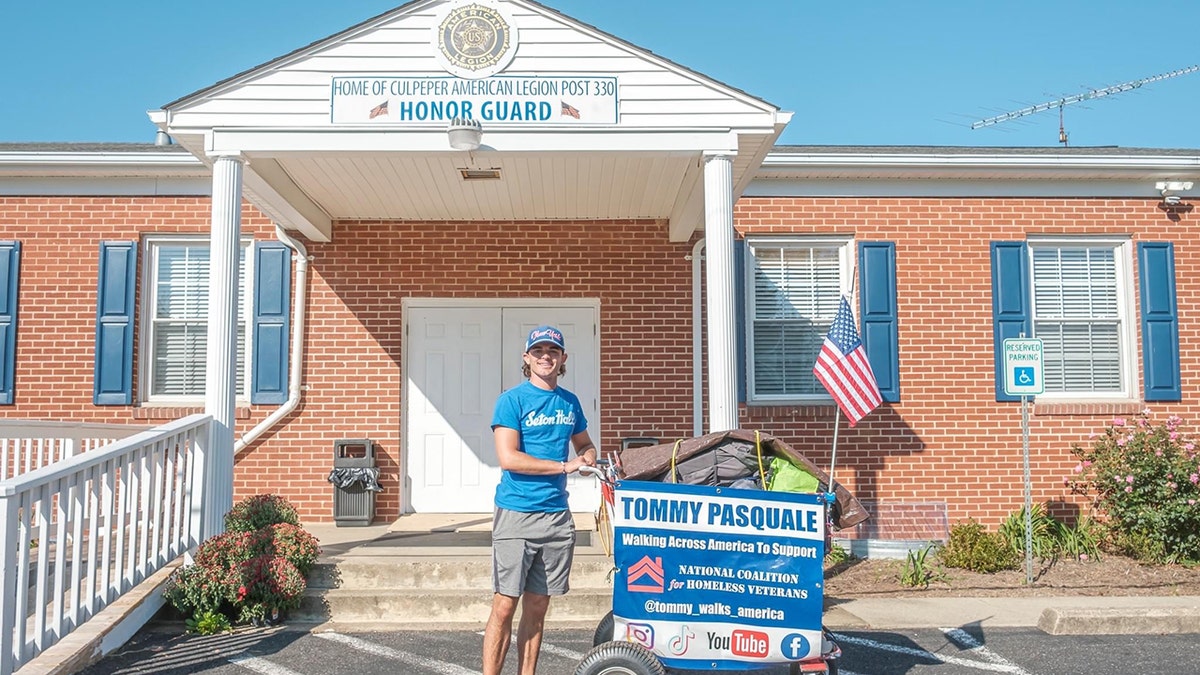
(837, 418)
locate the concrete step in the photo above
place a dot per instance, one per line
(424, 607)
(411, 572)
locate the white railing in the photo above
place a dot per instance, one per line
(80, 533)
(26, 445)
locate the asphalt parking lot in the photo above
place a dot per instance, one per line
(288, 650)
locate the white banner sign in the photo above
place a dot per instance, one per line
(491, 100)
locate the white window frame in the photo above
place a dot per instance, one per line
(1126, 315)
(151, 244)
(845, 247)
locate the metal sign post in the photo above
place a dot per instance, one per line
(1023, 376)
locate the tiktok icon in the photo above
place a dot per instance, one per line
(680, 643)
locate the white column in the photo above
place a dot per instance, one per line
(221, 375)
(718, 257)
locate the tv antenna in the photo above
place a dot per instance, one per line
(1076, 98)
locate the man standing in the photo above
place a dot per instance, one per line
(533, 535)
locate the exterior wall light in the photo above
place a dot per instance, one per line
(465, 134)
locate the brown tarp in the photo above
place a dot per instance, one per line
(654, 461)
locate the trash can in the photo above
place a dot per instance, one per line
(355, 481)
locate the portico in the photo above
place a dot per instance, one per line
(577, 125)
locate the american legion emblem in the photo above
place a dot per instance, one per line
(475, 40)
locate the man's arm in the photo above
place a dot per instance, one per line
(508, 451)
(585, 451)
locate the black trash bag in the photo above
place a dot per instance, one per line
(347, 477)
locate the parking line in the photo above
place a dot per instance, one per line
(262, 666)
(964, 639)
(910, 651)
(442, 667)
(569, 654)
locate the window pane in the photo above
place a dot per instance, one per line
(1077, 315)
(179, 325)
(793, 301)
(182, 282)
(178, 356)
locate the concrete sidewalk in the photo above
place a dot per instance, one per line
(1056, 615)
(1062, 615)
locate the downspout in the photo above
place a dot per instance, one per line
(294, 370)
(697, 344)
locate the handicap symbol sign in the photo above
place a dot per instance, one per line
(1023, 374)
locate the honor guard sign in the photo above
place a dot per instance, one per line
(1023, 373)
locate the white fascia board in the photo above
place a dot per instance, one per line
(270, 143)
(784, 164)
(136, 163)
(956, 188)
(106, 186)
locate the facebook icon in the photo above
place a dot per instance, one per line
(794, 646)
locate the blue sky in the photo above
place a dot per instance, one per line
(870, 72)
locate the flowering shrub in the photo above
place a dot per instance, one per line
(1144, 478)
(269, 585)
(258, 512)
(252, 575)
(290, 542)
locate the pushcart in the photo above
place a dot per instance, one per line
(714, 579)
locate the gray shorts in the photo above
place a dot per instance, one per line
(532, 552)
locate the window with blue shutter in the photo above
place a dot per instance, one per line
(1010, 303)
(112, 381)
(877, 313)
(272, 300)
(1160, 322)
(10, 263)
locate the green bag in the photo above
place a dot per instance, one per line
(787, 477)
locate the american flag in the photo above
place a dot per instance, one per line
(843, 368)
(568, 109)
(378, 110)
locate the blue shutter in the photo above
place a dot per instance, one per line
(877, 311)
(739, 313)
(1160, 322)
(272, 300)
(112, 380)
(1011, 315)
(10, 263)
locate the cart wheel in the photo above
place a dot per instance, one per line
(604, 632)
(620, 658)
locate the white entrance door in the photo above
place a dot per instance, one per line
(450, 388)
(458, 360)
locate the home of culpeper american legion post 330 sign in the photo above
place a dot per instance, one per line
(474, 43)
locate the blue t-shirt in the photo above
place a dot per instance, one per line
(545, 421)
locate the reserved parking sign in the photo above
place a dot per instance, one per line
(1023, 372)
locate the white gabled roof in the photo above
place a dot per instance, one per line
(639, 159)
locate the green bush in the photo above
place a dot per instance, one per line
(973, 548)
(252, 575)
(1081, 542)
(1143, 478)
(837, 555)
(209, 623)
(1051, 537)
(259, 511)
(919, 570)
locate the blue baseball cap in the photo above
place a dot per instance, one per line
(545, 334)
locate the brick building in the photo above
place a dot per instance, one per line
(386, 272)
